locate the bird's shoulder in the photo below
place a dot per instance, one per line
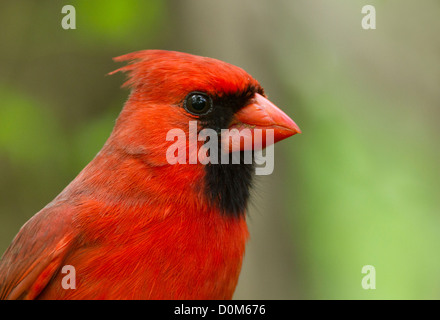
(37, 252)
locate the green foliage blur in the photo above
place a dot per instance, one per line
(358, 187)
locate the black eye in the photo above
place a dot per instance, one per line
(198, 103)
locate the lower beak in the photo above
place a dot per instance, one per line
(261, 123)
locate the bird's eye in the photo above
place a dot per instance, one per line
(198, 103)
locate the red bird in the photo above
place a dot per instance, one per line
(134, 226)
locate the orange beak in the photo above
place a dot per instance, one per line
(255, 122)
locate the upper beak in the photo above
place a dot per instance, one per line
(259, 114)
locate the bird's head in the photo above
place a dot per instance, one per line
(171, 89)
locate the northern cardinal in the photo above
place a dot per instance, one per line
(134, 226)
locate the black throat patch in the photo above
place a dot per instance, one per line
(228, 185)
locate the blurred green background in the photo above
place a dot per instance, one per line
(359, 187)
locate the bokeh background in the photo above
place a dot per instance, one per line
(359, 187)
